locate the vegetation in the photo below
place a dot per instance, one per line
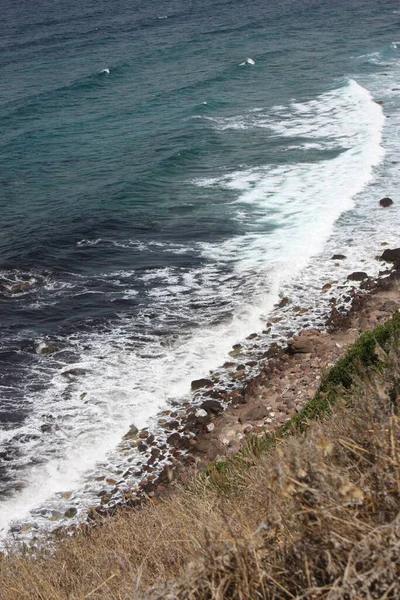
(311, 513)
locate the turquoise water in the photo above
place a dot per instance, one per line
(158, 191)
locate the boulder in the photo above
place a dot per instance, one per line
(197, 384)
(357, 276)
(391, 255)
(256, 413)
(212, 407)
(385, 202)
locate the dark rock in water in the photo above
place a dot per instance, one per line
(283, 302)
(197, 384)
(17, 287)
(132, 433)
(212, 406)
(71, 512)
(392, 256)
(385, 202)
(46, 427)
(236, 351)
(338, 257)
(142, 447)
(48, 350)
(357, 276)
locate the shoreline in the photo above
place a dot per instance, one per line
(289, 376)
(248, 396)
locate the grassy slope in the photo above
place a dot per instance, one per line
(312, 512)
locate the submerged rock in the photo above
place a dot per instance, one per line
(71, 512)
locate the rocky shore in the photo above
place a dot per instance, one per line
(256, 396)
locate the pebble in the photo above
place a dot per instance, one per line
(210, 427)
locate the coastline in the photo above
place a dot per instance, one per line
(288, 377)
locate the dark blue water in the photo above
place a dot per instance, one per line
(157, 190)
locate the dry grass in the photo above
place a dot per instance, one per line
(317, 517)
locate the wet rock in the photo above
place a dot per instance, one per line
(236, 351)
(46, 427)
(47, 350)
(326, 287)
(283, 302)
(385, 202)
(177, 441)
(132, 433)
(142, 447)
(212, 407)
(73, 372)
(17, 287)
(252, 336)
(357, 276)
(71, 512)
(171, 425)
(391, 255)
(197, 384)
(338, 257)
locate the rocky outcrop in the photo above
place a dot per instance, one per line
(392, 256)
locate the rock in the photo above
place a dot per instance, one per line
(142, 447)
(391, 255)
(210, 427)
(300, 346)
(17, 287)
(256, 413)
(177, 441)
(338, 257)
(171, 425)
(47, 350)
(325, 287)
(236, 351)
(283, 302)
(385, 202)
(197, 384)
(248, 428)
(71, 512)
(357, 276)
(46, 427)
(212, 407)
(174, 439)
(132, 433)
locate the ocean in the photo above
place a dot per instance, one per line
(168, 172)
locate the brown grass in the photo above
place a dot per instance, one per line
(317, 517)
